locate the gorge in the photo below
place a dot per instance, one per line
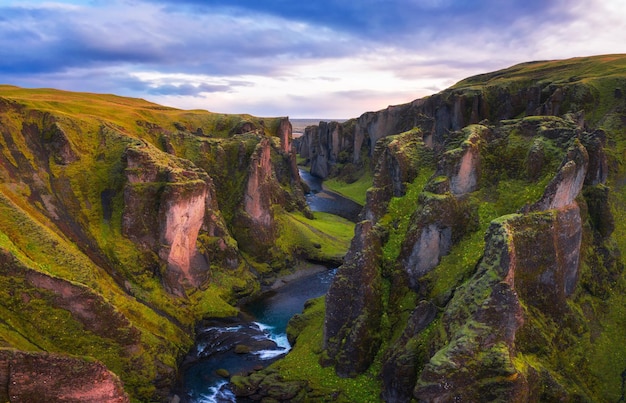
(486, 263)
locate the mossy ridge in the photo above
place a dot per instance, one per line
(99, 131)
(587, 83)
(509, 196)
(593, 355)
(60, 258)
(133, 113)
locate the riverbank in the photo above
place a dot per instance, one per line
(244, 344)
(304, 270)
(321, 199)
(257, 336)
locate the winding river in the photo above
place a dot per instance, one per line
(320, 199)
(256, 338)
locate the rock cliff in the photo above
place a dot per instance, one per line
(353, 312)
(31, 377)
(468, 102)
(527, 157)
(183, 198)
(120, 228)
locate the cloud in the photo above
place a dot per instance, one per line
(330, 57)
(384, 20)
(146, 34)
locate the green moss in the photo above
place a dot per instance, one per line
(356, 190)
(397, 219)
(302, 364)
(455, 267)
(324, 238)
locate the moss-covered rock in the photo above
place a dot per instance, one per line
(520, 311)
(115, 226)
(438, 222)
(29, 377)
(354, 306)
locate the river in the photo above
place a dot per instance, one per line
(257, 337)
(320, 199)
(261, 329)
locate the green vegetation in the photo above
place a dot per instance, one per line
(397, 219)
(356, 190)
(63, 195)
(302, 364)
(324, 238)
(590, 82)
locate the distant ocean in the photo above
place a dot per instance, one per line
(300, 124)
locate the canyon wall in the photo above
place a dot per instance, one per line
(122, 226)
(526, 162)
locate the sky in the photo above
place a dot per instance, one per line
(329, 59)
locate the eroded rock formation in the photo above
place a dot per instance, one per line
(438, 223)
(353, 311)
(530, 159)
(398, 165)
(168, 202)
(33, 377)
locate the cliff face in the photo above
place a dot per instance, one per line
(167, 202)
(57, 379)
(119, 230)
(513, 315)
(353, 312)
(321, 145)
(530, 260)
(469, 102)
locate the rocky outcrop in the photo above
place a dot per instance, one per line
(439, 222)
(443, 216)
(462, 165)
(402, 360)
(257, 197)
(354, 306)
(58, 144)
(33, 377)
(399, 161)
(167, 202)
(284, 133)
(255, 225)
(530, 259)
(568, 182)
(323, 146)
(480, 321)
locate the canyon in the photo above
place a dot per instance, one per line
(486, 263)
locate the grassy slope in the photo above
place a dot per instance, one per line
(355, 191)
(580, 69)
(99, 128)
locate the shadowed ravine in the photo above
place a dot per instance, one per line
(226, 346)
(254, 340)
